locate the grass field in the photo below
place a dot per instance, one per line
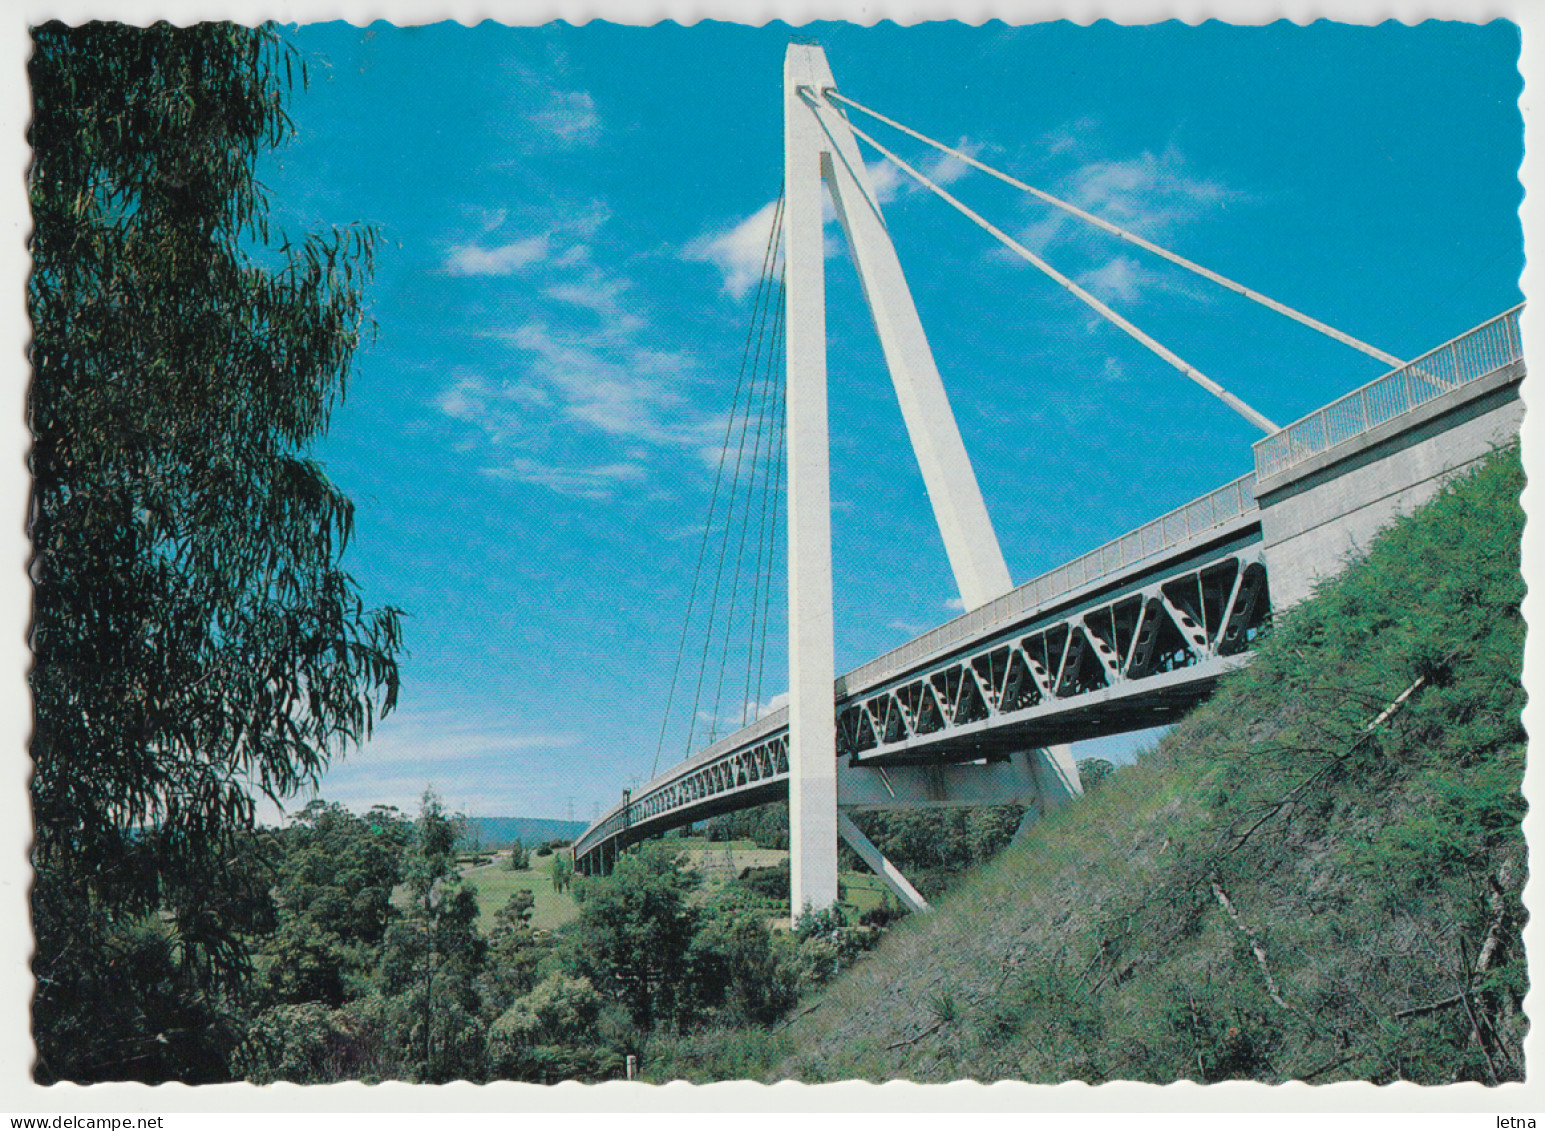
(719, 862)
(495, 883)
(865, 891)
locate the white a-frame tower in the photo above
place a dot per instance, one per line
(820, 148)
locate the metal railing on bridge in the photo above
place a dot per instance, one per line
(1179, 526)
(1482, 351)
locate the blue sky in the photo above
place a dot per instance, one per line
(570, 220)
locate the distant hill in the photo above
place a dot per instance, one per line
(501, 832)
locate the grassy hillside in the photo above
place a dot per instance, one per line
(1316, 876)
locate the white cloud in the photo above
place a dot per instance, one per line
(887, 180)
(505, 259)
(602, 379)
(570, 117)
(1153, 195)
(560, 240)
(1113, 371)
(956, 604)
(1117, 280)
(733, 718)
(1068, 137)
(739, 251)
(608, 381)
(585, 367)
(496, 409)
(1151, 190)
(945, 169)
(538, 112)
(596, 482)
(465, 755)
(490, 219)
(601, 294)
(777, 701)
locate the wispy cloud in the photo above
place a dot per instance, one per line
(887, 180)
(610, 382)
(739, 251)
(557, 241)
(601, 294)
(596, 482)
(569, 116)
(502, 259)
(1152, 194)
(943, 169)
(496, 408)
(586, 398)
(779, 700)
(540, 111)
(583, 357)
(443, 736)
(1068, 137)
(1117, 280)
(465, 755)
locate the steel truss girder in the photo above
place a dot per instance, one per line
(1188, 623)
(1153, 647)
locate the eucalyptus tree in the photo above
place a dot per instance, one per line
(432, 957)
(196, 640)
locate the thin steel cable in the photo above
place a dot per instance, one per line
(764, 546)
(777, 493)
(761, 466)
(745, 517)
(779, 467)
(1078, 292)
(714, 495)
(713, 605)
(1131, 237)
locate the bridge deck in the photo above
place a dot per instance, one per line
(751, 765)
(1127, 636)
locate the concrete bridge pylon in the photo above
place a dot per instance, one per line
(820, 151)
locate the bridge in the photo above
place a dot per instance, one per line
(1129, 636)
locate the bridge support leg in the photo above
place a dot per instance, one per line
(812, 663)
(878, 864)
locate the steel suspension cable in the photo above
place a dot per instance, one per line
(1131, 237)
(779, 468)
(765, 535)
(1078, 292)
(740, 452)
(745, 518)
(713, 498)
(762, 465)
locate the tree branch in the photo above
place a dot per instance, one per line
(1368, 731)
(1255, 945)
(935, 1027)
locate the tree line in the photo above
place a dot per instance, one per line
(367, 963)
